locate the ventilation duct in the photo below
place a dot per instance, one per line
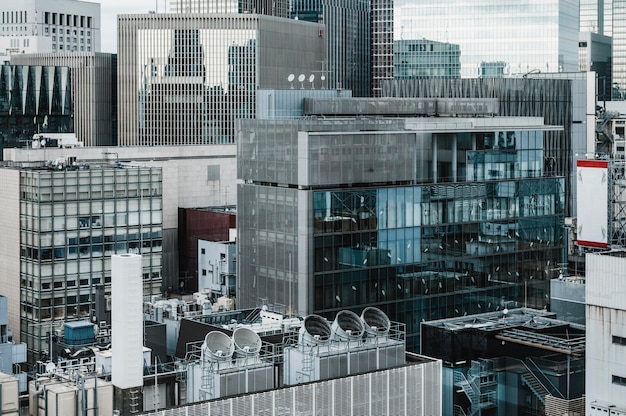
(247, 343)
(315, 330)
(217, 346)
(347, 326)
(376, 322)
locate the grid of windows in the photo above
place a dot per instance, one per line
(498, 31)
(185, 79)
(474, 233)
(426, 59)
(72, 221)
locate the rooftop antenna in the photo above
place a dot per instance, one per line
(323, 78)
(290, 78)
(311, 80)
(301, 79)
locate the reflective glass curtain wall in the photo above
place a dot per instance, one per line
(34, 99)
(421, 248)
(348, 44)
(184, 79)
(525, 36)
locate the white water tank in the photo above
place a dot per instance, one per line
(127, 320)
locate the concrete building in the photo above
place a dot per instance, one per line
(94, 92)
(348, 45)
(217, 267)
(42, 26)
(183, 79)
(605, 380)
(62, 222)
(424, 217)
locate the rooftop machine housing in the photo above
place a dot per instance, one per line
(350, 345)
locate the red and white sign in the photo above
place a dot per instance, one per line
(592, 191)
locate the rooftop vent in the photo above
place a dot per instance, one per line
(315, 330)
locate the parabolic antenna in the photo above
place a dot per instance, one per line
(301, 78)
(323, 77)
(291, 77)
(312, 78)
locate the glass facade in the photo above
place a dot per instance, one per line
(382, 43)
(34, 99)
(72, 221)
(596, 16)
(619, 46)
(268, 7)
(476, 227)
(347, 37)
(527, 36)
(425, 59)
(185, 78)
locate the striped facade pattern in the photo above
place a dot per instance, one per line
(184, 79)
(93, 93)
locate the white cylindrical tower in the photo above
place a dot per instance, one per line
(126, 321)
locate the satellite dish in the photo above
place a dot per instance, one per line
(323, 77)
(301, 78)
(291, 77)
(50, 367)
(312, 78)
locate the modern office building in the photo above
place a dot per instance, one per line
(594, 54)
(561, 99)
(184, 79)
(423, 217)
(268, 7)
(42, 26)
(193, 176)
(596, 16)
(34, 99)
(62, 222)
(348, 45)
(605, 381)
(519, 37)
(422, 58)
(94, 99)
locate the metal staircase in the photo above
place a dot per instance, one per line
(476, 386)
(533, 383)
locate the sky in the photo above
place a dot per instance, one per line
(109, 9)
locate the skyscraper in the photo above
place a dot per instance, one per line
(596, 16)
(184, 79)
(382, 43)
(517, 37)
(348, 44)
